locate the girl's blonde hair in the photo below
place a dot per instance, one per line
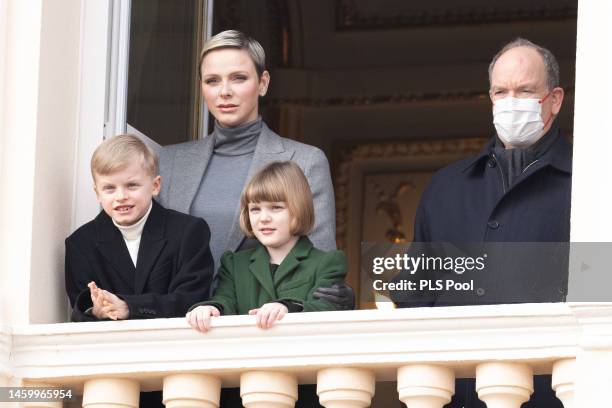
(280, 181)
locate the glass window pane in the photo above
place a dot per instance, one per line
(163, 95)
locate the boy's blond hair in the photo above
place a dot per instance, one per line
(118, 152)
(280, 181)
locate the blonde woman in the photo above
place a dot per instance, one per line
(205, 177)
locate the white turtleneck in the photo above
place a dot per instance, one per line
(133, 233)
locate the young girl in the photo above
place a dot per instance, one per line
(281, 274)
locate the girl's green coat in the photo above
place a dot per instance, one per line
(245, 280)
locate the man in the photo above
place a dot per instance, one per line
(516, 190)
(515, 193)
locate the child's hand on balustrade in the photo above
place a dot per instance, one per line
(269, 313)
(199, 318)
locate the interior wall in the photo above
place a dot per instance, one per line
(399, 82)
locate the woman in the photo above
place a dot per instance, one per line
(205, 177)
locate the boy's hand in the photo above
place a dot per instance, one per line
(269, 313)
(199, 318)
(113, 307)
(97, 300)
(107, 305)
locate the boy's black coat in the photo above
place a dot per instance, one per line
(174, 268)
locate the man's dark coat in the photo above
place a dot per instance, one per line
(522, 230)
(468, 202)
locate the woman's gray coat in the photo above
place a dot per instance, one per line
(182, 167)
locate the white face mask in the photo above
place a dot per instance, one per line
(518, 121)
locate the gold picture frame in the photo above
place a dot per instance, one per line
(378, 187)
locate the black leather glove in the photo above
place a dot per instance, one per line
(340, 294)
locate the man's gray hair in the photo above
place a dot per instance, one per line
(238, 40)
(550, 62)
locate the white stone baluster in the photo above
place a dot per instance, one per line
(267, 389)
(504, 385)
(111, 393)
(425, 385)
(563, 379)
(191, 391)
(345, 387)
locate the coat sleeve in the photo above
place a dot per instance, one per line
(323, 235)
(188, 285)
(331, 269)
(225, 293)
(77, 274)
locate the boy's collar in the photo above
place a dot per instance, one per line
(134, 231)
(153, 226)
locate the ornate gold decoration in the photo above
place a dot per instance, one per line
(350, 155)
(388, 204)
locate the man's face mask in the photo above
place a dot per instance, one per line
(518, 121)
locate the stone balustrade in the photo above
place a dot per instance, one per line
(343, 353)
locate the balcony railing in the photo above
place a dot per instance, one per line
(344, 353)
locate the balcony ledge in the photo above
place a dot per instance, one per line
(303, 343)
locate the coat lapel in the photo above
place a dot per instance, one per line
(299, 252)
(111, 245)
(189, 167)
(151, 244)
(260, 268)
(269, 148)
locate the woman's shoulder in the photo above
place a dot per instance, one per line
(169, 151)
(289, 143)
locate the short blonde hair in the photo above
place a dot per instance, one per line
(280, 181)
(117, 152)
(238, 40)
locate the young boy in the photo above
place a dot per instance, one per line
(136, 259)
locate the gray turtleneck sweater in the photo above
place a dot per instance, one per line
(223, 180)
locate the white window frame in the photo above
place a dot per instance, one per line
(96, 17)
(119, 43)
